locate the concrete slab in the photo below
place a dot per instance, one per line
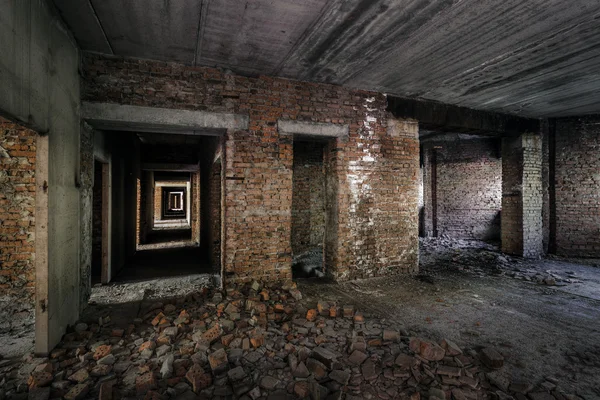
(109, 116)
(316, 129)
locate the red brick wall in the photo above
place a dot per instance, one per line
(157, 203)
(375, 171)
(468, 187)
(195, 206)
(215, 215)
(17, 225)
(308, 196)
(577, 169)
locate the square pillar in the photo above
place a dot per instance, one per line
(522, 198)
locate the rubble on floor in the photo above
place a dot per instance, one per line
(259, 342)
(482, 259)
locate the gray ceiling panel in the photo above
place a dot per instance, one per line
(157, 29)
(82, 20)
(254, 36)
(527, 57)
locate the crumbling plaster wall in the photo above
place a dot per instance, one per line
(374, 169)
(577, 190)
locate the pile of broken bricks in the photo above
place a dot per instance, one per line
(258, 342)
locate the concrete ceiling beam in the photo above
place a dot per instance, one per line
(108, 116)
(314, 129)
(433, 116)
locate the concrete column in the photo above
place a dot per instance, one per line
(522, 198)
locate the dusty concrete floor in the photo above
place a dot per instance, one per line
(466, 294)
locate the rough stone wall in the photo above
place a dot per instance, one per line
(17, 225)
(469, 188)
(308, 196)
(374, 171)
(577, 169)
(522, 224)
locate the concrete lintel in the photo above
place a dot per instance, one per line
(317, 129)
(435, 116)
(122, 117)
(166, 167)
(170, 184)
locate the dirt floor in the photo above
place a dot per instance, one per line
(543, 315)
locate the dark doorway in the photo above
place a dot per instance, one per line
(308, 209)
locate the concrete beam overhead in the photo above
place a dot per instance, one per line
(108, 116)
(315, 129)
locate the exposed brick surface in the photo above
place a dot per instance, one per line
(373, 171)
(158, 203)
(215, 214)
(468, 187)
(17, 224)
(522, 231)
(308, 196)
(578, 187)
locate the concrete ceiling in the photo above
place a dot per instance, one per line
(535, 58)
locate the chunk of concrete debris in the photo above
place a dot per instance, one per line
(451, 348)
(491, 358)
(431, 351)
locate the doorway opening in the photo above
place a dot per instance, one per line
(168, 218)
(309, 208)
(100, 223)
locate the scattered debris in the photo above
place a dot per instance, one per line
(483, 259)
(258, 341)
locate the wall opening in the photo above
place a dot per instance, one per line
(160, 185)
(309, 210)
(461, 186)
(169, 217)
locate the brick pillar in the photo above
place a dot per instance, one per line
(522, 230)
(429, 212)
